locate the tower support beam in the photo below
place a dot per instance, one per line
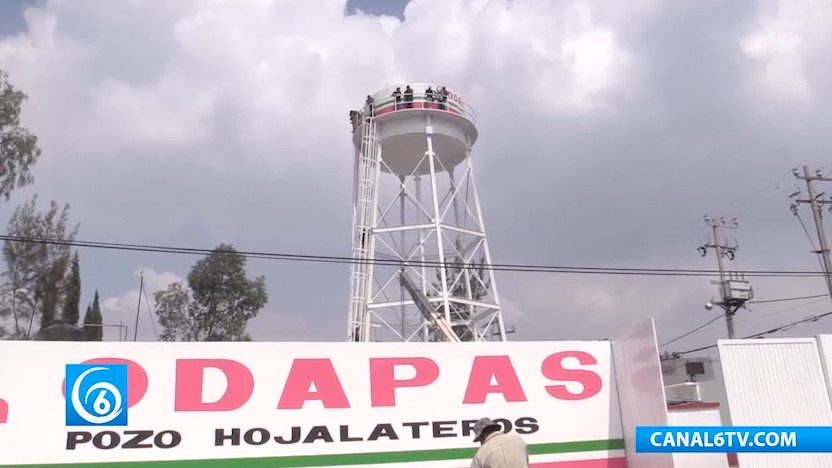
(422, 267)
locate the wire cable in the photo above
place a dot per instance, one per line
(786, 327)
(690, 332)
(766, 301)
(805, 230)
(413, 263)
(756, 317)
(784, 299)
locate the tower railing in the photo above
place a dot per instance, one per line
(422, 101)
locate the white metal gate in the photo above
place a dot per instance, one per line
(776, 382)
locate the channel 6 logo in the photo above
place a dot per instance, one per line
(96, 394)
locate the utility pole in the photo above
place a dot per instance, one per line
(138, 307)
(815, 201)
(734, 291)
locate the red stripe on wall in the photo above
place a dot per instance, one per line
(686, 406)
(384, 110)
(390, 108)
(620, 462)
(601, 463)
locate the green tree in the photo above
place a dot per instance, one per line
(19, 149)
(16, 311)
(37, 256)
(217, 303)
(72, 302)
(93, 320)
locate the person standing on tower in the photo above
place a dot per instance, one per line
(355, 119)
(441, 96)
(408, 97)
(371, 104)
(429, 97)
(498, 449)
(398, 95)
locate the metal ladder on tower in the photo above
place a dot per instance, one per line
(368, 160)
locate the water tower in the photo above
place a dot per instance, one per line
(422, 265)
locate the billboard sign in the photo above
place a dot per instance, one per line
(303, 404)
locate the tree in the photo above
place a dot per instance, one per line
(17, 311)
(19, 149)
(93, 320)
(217, 303)
(37, 257)
(72, 302)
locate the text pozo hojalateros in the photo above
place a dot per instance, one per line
(317, 380)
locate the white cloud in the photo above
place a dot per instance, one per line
(605, 128)
(786, 42)
(121, 310)
(593, 57)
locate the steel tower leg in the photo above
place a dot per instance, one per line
(428, 225)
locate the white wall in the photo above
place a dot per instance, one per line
(695, 415)
(776, 382)
(640, 391)
(825, 348)
(195, 389)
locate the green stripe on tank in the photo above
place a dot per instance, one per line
(416, 98)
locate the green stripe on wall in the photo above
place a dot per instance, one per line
(342, 459)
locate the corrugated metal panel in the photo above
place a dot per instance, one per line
(825, 346)
(776, 382)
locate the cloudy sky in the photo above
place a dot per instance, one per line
(607, 130)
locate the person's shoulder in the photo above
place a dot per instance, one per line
(512, 436)
(482, 452)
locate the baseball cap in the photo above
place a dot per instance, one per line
(481, 425)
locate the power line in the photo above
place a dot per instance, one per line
(784, 299)
(690, 332)
(413, 263)
(756, 317)
(780, 186)
(811, 318)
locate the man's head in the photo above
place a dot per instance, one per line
(483, 428)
